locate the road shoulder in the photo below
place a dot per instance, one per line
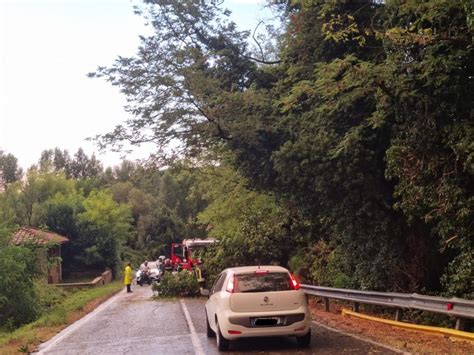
(407, 341)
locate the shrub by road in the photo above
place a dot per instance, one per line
(61, 313)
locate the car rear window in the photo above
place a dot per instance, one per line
(262, 282)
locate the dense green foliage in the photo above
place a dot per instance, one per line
(251, 227)
(130, 212)
(9, 170)
(359, 130)
(183, 283)
(104, 227)
(341, 145)
(16, 283)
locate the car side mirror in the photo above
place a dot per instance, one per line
(205, 292)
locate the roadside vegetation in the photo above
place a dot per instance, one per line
(182, 284)
(129, 213)
(338, 142)
(60, 308)
(341, 133)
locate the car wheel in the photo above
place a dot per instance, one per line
(305, 340)
(210, 332)
(222, 343)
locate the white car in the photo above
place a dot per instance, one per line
(257, 301)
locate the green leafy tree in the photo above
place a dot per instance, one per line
(26, 198)
(430, 103)
(125, 171)
(8, 208)
(163, 228)
(55, 160)
(83, 167)
(193, 197)
(18, 296)
(104, 226)
(61, 214)
(183, 94)
(363, 126)
(9, 169)
(251, 228)
(141, 204)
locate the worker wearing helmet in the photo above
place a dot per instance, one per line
(168, 265)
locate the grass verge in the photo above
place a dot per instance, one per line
(73, 307)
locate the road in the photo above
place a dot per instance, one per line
(137, 324)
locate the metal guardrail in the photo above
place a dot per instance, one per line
(457, 307)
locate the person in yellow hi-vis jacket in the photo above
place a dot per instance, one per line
(127, 277)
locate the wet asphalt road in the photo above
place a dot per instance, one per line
(136, 324)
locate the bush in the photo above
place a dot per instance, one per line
(183, 283)
(458, 278)
(18, 296)
(49, 296)
(298, 265)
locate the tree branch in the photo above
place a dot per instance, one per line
(258, 44)
(220, 132)
(261, 61)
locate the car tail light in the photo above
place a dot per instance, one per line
(234, 332)
(261, 272)
(295, 284)
(231, 284)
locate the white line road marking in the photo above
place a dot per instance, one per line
(365, 340)
(119, 343)
(194, 337)
(76, 325)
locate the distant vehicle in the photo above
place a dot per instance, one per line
(153, 275)
(142, 278)
(182, 254)
(257, 301)
(155, 272)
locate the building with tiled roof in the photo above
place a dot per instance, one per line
(49, 257)
(29, 235)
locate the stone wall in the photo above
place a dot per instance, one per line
(107, 276)
(104, 278)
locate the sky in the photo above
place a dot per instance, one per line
(47, 47)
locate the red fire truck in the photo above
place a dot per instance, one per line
(182, 253)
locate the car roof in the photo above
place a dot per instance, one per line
(248, 269)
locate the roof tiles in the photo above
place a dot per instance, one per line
(29, 235)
